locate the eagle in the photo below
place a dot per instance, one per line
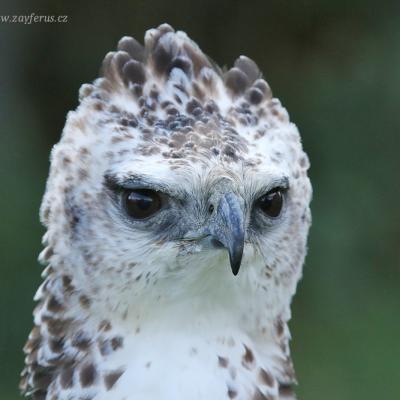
(176, 214)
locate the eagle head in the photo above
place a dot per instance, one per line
(176, 174)
(177, 206)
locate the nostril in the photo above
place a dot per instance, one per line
(211, 208)
(216, 243)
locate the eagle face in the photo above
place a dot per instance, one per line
(136, 212)
(174, 181)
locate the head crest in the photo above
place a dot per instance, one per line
(170, 57)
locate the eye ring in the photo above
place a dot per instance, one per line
(141, 204)
(271, 203)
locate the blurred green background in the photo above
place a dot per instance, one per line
(334, 64)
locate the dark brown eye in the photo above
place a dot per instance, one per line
(142, 203)
(271, 203)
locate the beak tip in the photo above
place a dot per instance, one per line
(235, 265)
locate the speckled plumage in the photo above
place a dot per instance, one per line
(132, 310)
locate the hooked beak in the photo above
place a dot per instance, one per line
(228, 229)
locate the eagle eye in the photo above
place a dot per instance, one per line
(141, 203)
(271, 203)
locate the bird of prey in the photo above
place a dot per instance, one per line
(177, 213)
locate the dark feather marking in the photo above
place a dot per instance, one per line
(248, 355)
(42, 379)
(39, 395)
(223, 362)
(56, 345)
(249, 67)
(87, 375)
(192, 105)
(162, 59)
(111, 378)
(56, 326)
(137, 90)
(177, 99)
(255, 96)
(181, 88)
(133, 71)
(159, 32)
(259, 395)
(236, 80)
(263, 86)
(105, 325)
(84, 301)
(171, 110)
(154, 93)
(266, 377)
(132, 47)
(40, 376)
(67, 283)
(67, 377)
(280, 327)
(211, 107)
(81, 341)
(181, 63)
(199, 60)
(285, 390)
(248, 358)
(165, 104)
(120, 59)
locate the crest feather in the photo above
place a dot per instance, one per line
(165, 52)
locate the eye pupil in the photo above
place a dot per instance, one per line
(271, 203)
(142, 203)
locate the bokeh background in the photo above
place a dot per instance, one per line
(334, 64)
